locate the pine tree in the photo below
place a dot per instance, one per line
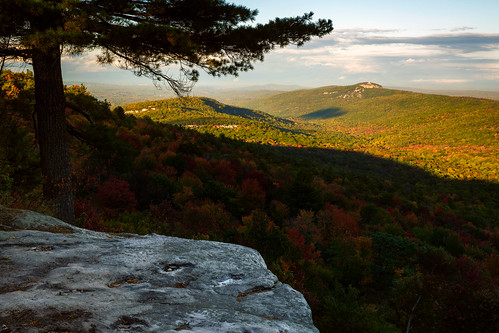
(140, 35)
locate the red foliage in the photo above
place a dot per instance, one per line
(224, 172)
(115, 194)
(335, 222)
(299, 277)
(443, 215)
(173, 146)
(307, 249)
(199, 165)
(131, 138)
(468, 272)
(205, 218)
(491, 263)
(166, 214)
(87, 215)
(252, 194)
(411, 219)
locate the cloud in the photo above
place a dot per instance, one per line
(412, 61)
(86, 63)
(446, 81)
(392, 57)
(464, 42)
(347, 59)
(360, 45)
(447, 58)
(464, 28)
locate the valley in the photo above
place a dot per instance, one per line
(454, 137)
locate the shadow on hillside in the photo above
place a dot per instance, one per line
(406, 178)
(242, 112)
(323, 114)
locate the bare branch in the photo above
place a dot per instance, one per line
(179, 86)
(80, 111)
(77, 134)
(410, 316)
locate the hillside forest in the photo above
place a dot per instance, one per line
(380, 206)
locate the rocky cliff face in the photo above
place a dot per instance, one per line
(56, 278)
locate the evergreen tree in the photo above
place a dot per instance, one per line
(140, 35)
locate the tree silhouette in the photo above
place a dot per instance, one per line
(140, 35)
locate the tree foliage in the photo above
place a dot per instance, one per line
(145, 36)
(140, 35)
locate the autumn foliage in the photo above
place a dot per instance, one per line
(362, 246)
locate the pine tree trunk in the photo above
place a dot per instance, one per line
(52, 133)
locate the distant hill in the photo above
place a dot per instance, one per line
(442, 119)
(451, 136)
(195, 111)
(209, 115)
(461, 93)
(455, 137)
(119, 94)
(235, 96)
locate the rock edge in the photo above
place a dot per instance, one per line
(56, 277)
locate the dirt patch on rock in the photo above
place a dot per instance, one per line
(50, 319)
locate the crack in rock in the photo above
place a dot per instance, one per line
(256, 290)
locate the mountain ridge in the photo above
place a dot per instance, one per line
(185, 109)
(449, 136)
(119, 94)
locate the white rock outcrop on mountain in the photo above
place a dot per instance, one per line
(55, 278)
(370, 85)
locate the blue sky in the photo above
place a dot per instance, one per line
(437, 44)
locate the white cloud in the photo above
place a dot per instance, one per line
(364, 54)
(464, 28)
(300, 51)
(446, 81)
(386, 54)
(412, 61)
(86, 63)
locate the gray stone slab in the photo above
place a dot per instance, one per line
(55, 277)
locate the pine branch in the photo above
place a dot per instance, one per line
(80, 111)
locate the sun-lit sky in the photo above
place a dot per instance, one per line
(438, 44)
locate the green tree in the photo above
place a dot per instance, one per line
(140, 35)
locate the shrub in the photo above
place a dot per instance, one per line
(374, 215)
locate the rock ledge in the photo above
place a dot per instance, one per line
(55, 277)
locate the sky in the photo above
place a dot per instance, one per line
(438, 44)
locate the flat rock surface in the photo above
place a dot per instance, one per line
(57, 278)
